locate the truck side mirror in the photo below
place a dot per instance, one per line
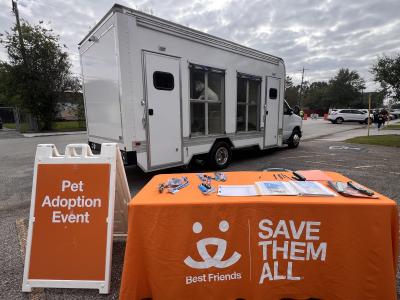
(296, 110)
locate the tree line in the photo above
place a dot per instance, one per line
(346, 88)
(37, 73)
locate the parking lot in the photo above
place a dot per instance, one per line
(374, 166)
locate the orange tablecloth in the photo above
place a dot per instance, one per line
(190, 246)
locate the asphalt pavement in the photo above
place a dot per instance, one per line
(377, 167)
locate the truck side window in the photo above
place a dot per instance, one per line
(207, 95)
(163, 81)
(285, 108)
(248, 103)
(273, 93)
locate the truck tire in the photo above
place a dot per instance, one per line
(294, 139)
(339, 120)
(220, 156)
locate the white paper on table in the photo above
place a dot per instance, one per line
(237, 190)
(276, 188)
(311, 188)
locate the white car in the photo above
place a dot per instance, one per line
(395, 112)
(339, 116)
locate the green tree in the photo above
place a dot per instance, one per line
(376, 100)
(315, 96)
(386, 72)
(291, 92)
(38, 71)
(5, 98)
(345, 88)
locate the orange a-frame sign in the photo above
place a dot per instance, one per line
(77, 198)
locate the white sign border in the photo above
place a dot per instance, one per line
(48, 154)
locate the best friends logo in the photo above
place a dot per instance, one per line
(216, 260)
(212, 261)
(281, 244)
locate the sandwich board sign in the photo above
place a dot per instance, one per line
(78, 201)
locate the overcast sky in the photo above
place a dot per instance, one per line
(321, 35)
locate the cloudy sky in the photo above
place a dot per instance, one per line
(321, 35)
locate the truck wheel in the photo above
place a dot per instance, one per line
(220, 156)
(339, 121)
(294, 139)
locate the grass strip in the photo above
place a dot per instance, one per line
(391, 140)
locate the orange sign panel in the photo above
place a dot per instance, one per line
(69, 238)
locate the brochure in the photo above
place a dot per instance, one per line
(311, 188)
(273, 188)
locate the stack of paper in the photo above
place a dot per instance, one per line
(237, 190)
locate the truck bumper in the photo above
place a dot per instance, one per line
(128, 157)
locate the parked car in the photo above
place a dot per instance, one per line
(395, 113)
(338, 116)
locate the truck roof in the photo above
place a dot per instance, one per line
(167, 26)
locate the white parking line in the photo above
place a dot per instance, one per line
(306, 156)
(324, 163)
(373, 166)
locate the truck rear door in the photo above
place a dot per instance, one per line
(272, 100)
(164, 132)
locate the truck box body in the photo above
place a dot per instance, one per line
(166, 93)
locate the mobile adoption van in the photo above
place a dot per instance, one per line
(167, 93)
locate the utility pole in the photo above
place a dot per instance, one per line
(369, 112)
(301, 85)
(21, 41)
(32, 120)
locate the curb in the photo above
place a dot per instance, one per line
(38, 134)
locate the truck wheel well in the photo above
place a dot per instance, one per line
(205, 155)
(298, 129)
(226, 140)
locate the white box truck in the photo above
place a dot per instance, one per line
(167, 93)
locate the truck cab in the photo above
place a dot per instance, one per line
(292, 126)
